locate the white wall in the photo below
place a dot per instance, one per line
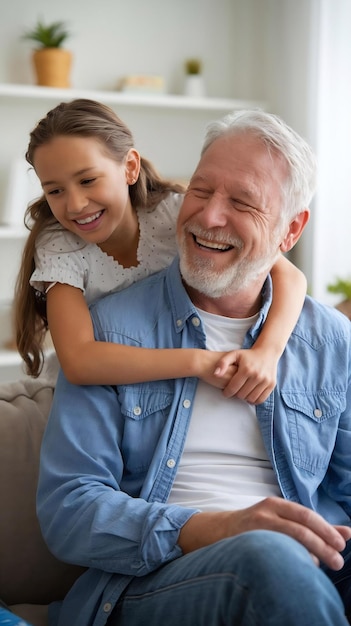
(251, 49)
(111, 38)
(332, 225)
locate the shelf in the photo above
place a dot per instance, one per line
(13, 232)
(163, 101)
(9, 357)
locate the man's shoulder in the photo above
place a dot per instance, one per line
(321, 323)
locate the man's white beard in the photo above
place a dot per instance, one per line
(201, 275)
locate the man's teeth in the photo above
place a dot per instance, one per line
(87, 220)
(212, 244)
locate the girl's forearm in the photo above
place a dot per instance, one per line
(289, 290)
(100, 363)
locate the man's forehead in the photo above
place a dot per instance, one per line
(242, 156)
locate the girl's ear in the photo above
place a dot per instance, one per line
(295, 230)
(132, 166)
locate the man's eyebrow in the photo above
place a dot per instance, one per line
(198, 178)
(246, 194)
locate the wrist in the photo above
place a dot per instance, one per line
(203, 529)
(273, 351)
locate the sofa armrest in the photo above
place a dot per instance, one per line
(29, 573)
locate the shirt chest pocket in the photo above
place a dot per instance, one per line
(313, 420)
(145, 410)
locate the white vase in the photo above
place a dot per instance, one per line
(23, 187)
(194, 86)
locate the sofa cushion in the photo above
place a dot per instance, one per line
(29, 573)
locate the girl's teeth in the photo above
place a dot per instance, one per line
(87, 220)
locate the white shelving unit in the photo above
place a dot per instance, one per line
(168, 130)
(118, 98)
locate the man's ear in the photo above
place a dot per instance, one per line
(295, 230)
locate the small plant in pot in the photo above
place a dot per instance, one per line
(342, 287)
(52, 62)
(194, 82)
(193, 66)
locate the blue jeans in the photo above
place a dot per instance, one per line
(259, 578)
(342, 579)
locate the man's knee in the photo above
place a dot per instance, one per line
(262, 554)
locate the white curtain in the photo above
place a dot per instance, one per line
(330, 247)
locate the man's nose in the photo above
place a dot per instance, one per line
(214, 212)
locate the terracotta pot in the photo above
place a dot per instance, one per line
(345, 307)
(53, 67)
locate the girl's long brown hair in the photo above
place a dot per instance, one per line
(84, 118)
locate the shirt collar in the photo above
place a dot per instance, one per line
(183, 308)
(181, 305)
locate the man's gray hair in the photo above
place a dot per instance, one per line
(300, 185)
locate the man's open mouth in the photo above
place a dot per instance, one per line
(212, 245)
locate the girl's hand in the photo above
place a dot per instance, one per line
(216, 368)
(254, 374)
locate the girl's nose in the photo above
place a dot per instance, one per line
(76, 201)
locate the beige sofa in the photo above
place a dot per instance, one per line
(30, 577)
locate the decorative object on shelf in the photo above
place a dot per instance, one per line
(344, 288)
(52, 63)
(142, 83)
(194, 80)
(23, 187)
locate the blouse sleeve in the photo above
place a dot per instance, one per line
(59, 258)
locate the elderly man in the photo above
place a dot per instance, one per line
(186, 506)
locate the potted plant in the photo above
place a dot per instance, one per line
(51, 61)
(344, 288)
(194, 82)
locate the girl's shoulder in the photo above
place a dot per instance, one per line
(171, 204)
(165, 213)
(56, 239)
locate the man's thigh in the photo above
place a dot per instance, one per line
(249, 580)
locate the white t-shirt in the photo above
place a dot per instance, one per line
(64, 257)
(224, 464)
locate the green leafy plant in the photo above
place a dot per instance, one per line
(193, 66)
(48, 36)
(341, 286)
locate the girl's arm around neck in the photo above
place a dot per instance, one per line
(256, 373)
(89, 362)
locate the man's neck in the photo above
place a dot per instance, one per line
(240, 305)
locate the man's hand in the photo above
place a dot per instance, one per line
(322, 540)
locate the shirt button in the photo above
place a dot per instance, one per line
(107, 607)
(137, 410)
(195, 321)
(179, 323)
(171, 463)
(186, 404)
(317, 413)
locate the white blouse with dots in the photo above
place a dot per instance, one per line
(63, 257)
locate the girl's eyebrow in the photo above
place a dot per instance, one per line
(85, 170)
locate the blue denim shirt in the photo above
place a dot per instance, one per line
(110, 454)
